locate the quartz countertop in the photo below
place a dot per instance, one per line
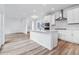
(47, 31)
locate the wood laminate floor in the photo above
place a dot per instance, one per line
(20, 44)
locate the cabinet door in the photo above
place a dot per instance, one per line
(61, 35)
(73, 15)
(76, 36)
(53, 19)
(66, 35)
(76, 14)
(70, 16)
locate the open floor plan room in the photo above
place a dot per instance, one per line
(39, 29)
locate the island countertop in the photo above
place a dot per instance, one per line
(47, 31)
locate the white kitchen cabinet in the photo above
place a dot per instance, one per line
(65, 35)
(73, 15)
(76, 36)
(53, 19)
(69, 35)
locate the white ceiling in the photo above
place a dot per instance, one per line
(27, 10)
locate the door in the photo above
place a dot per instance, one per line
(2, 39)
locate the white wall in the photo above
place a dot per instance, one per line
(14, 25)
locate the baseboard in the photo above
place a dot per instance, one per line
(15, 33)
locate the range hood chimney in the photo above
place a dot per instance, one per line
(62, 16)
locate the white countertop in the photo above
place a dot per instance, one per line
(45, 31)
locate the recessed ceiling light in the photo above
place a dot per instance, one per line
(44, 5)
(53, 9)
(34, 10)
(34, 16)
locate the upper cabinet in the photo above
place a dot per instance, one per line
(73, 15)
(53, 19)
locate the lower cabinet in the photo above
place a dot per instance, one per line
(69, 35)
(76, 37)
(65, 35)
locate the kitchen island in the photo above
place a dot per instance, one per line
(47, 39)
